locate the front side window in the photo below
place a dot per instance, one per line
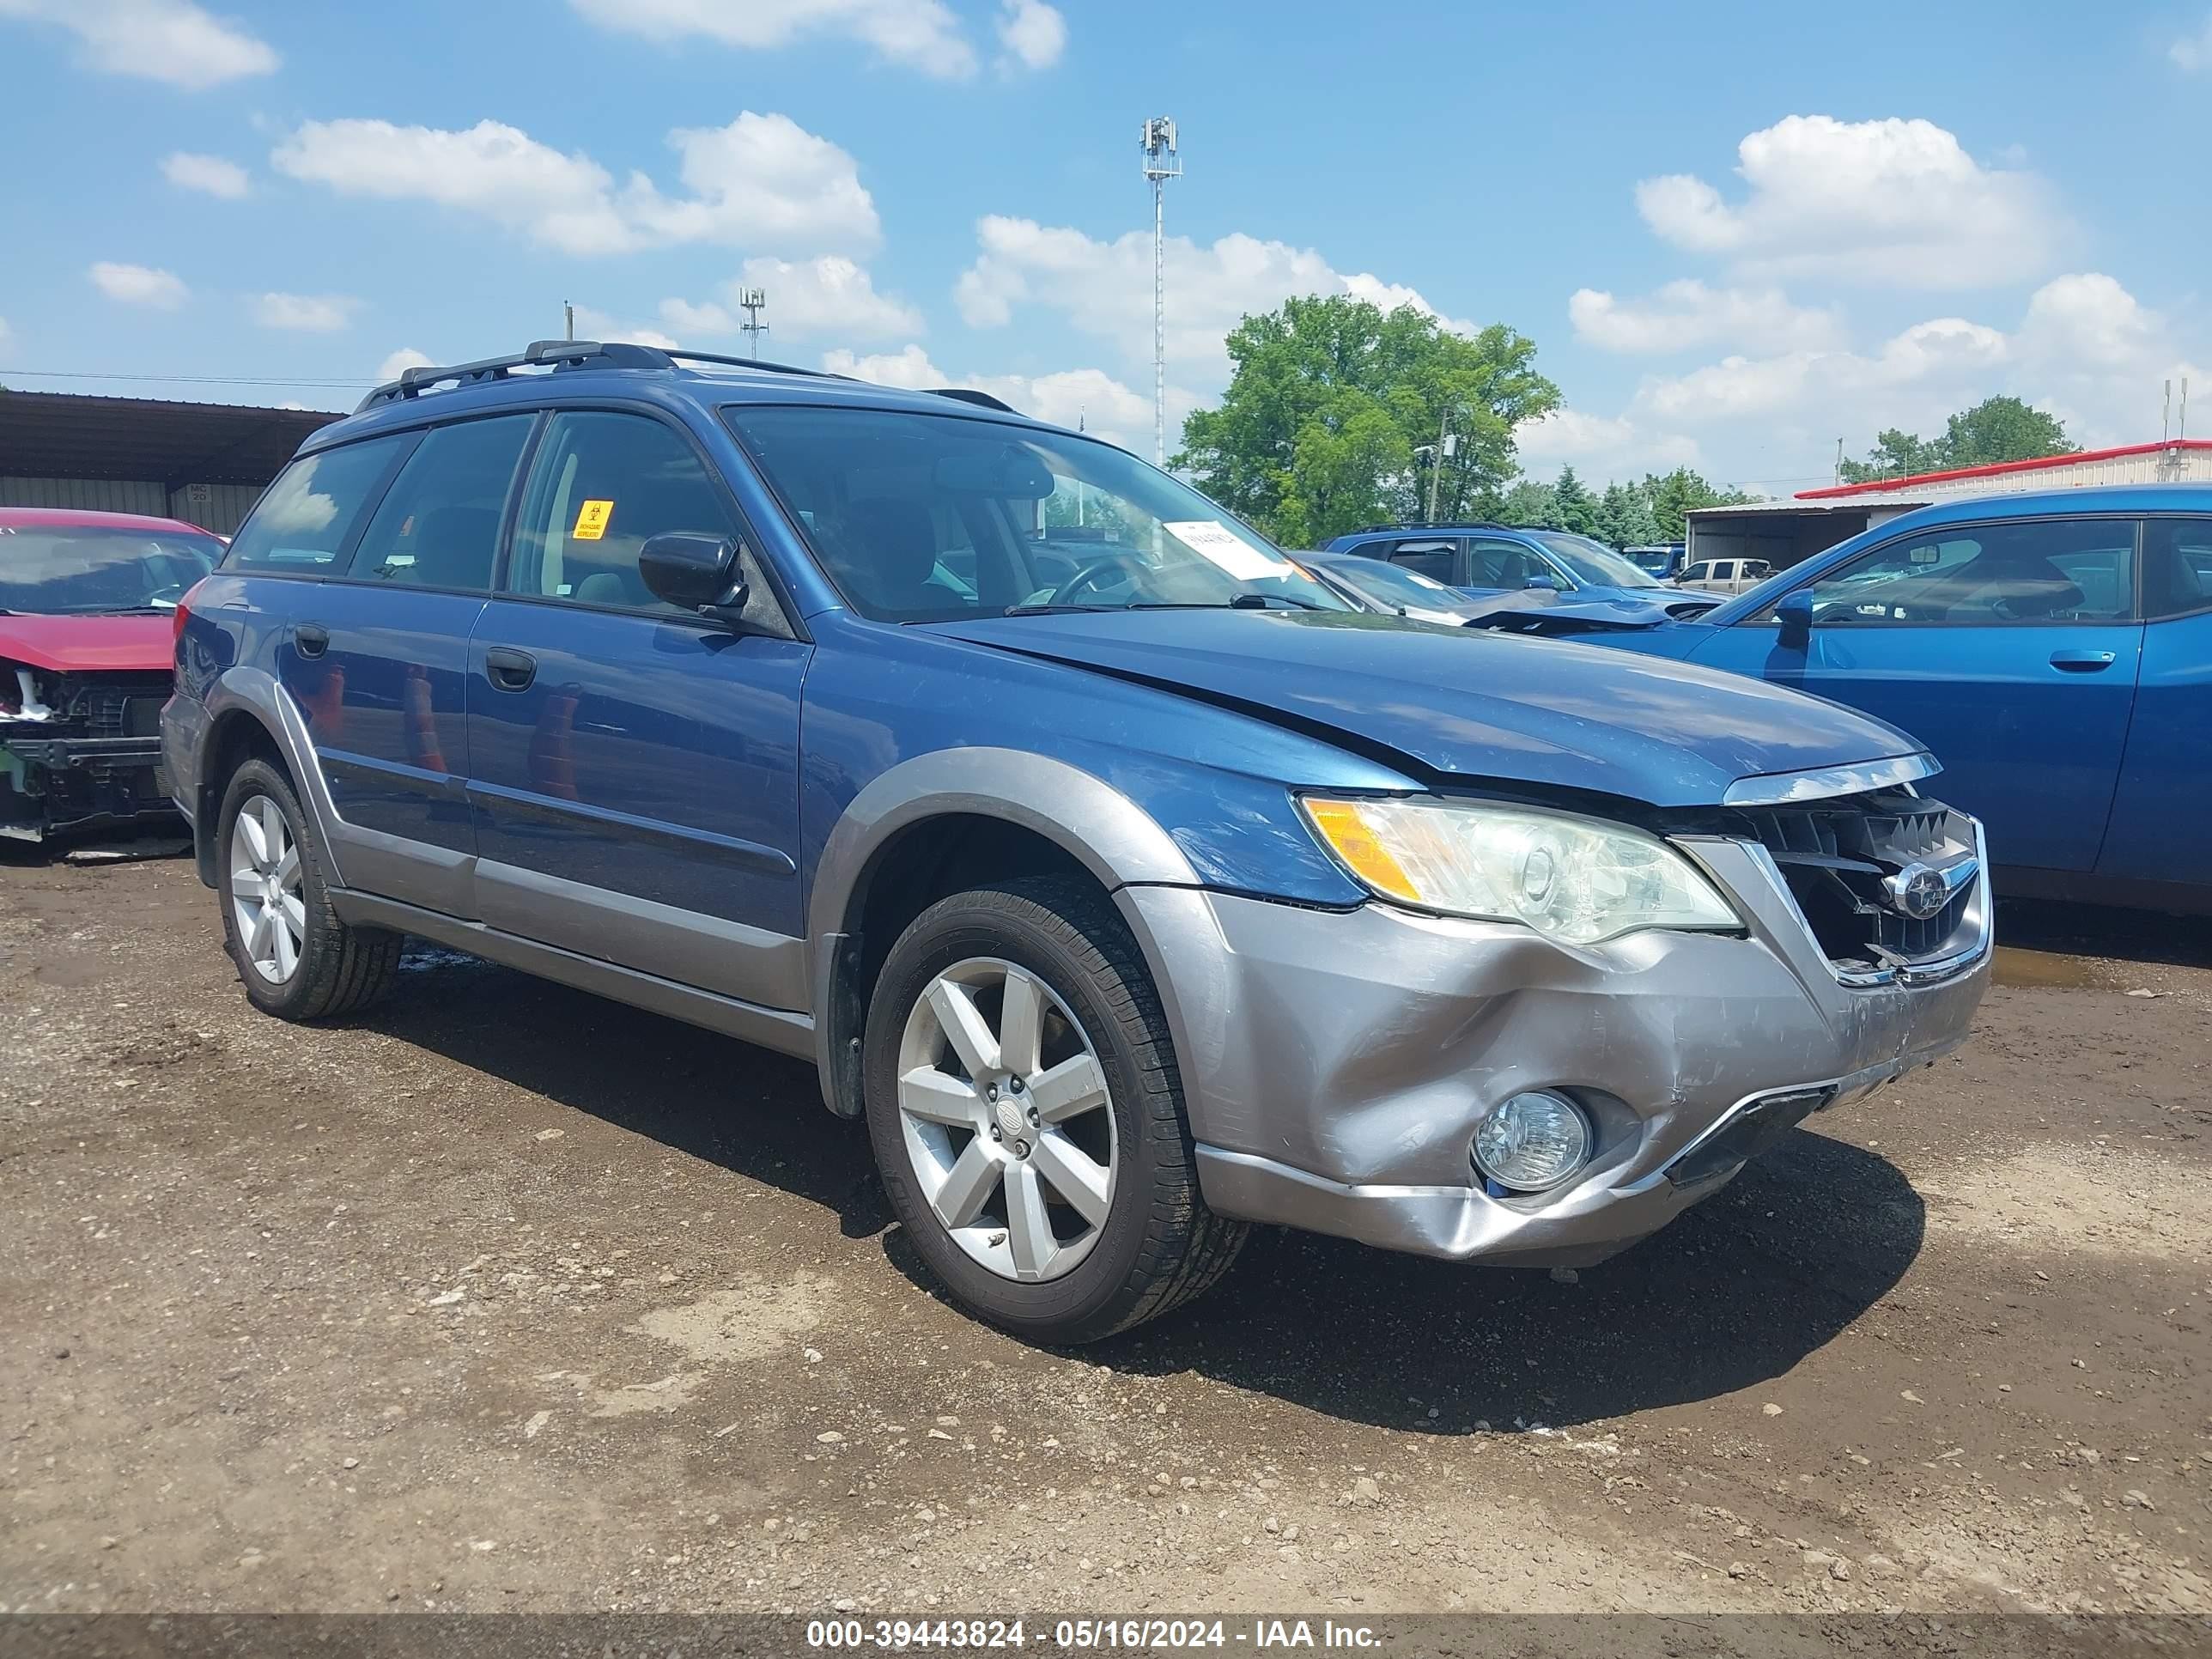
(2177, 567)
(2078, 570)
(303, 519)
(438, 525)
(601, 485)
(81, 570)
(1500, 563)
(934, 518)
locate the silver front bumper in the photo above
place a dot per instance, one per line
(1337, 1064)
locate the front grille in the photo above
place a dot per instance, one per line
(1837, 856)
(124, 707)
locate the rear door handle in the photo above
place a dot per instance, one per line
(2083, 662)
(312, 639)
(508, 669)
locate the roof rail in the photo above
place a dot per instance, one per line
(751, 362)
(541, 354)
(981, 399)
(1436, 524)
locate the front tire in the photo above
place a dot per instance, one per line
(1028, 1117)
(295, 958)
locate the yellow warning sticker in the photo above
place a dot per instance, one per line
(591, 520)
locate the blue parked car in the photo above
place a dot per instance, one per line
(1488, 559)
(2054, 651)
(1128, 884)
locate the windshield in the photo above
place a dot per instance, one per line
(938, 518)
(1394, 585)
(1592, 562)
(82, 570)
(1650, 560)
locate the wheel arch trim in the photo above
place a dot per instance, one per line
(1114, 838)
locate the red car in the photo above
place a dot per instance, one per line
(86, 606)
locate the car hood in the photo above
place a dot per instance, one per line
(1590, 610)
(77, 645)
(1466, 703)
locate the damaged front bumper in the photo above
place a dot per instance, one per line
(79, 753)
(1338, 1064)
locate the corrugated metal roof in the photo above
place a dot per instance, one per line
(65, 435)
(2173, 460)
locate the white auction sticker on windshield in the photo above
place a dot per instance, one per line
(1216, 541)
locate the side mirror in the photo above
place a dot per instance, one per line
(1539, 585)
(695, 572)
(1795, 614)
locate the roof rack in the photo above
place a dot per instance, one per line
(558, 355)
(1438, 523)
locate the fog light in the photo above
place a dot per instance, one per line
(1533, 1142)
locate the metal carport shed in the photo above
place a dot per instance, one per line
(205, 463)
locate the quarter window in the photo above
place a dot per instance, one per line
(601, 486)
(438, 525)
(303, 519)
(1986, 575)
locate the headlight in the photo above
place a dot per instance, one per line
(1571, 879)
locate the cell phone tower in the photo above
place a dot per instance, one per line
(752, 302)
(1161, 164)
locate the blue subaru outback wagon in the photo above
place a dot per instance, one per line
(1130, 887)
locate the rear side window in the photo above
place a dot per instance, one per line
(438, 525)
(304, 518)
(2177, 567)
(1432, 559)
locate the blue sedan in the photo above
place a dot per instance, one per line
(2054, 651)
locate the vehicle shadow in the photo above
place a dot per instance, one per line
(2094, 930)
(1738, 1291)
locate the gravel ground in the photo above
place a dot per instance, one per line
(507, 1297)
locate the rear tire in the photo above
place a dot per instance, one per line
(295, 958)
(1041, 1161)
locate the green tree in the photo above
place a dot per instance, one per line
(1572, 505)
(1330, 397)
(2000, 428)
(1529, 505)
(1675, 494)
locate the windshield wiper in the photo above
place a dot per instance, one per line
(1235, 602)
(1058, 610)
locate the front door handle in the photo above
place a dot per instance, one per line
(312, 639)
(508, 669)
(2083, 662)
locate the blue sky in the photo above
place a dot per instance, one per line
(1736, 233)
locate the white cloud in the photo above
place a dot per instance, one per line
(762, 180)
(2084, 349)
(1088, 397)
(807, 299)
(921, 34)
(1604, 447)
(1033, 33)
(140, 285)
(1105, 288)
(604, 326)
(310, 314)
(400, 362)
(2193, 53)
(170, 40)
(1891, 202)
(1684, 314)
(210, 174)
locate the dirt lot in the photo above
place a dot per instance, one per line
(507, 1297)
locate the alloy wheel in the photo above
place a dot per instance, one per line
(265, 898)
(1006, 1119)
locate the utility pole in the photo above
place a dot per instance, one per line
(752, 302)
(1437, 471)
(1839, 460)
(1161, 164)
(568, 320)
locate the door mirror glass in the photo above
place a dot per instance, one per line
(692, 571)
(1795, 614)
